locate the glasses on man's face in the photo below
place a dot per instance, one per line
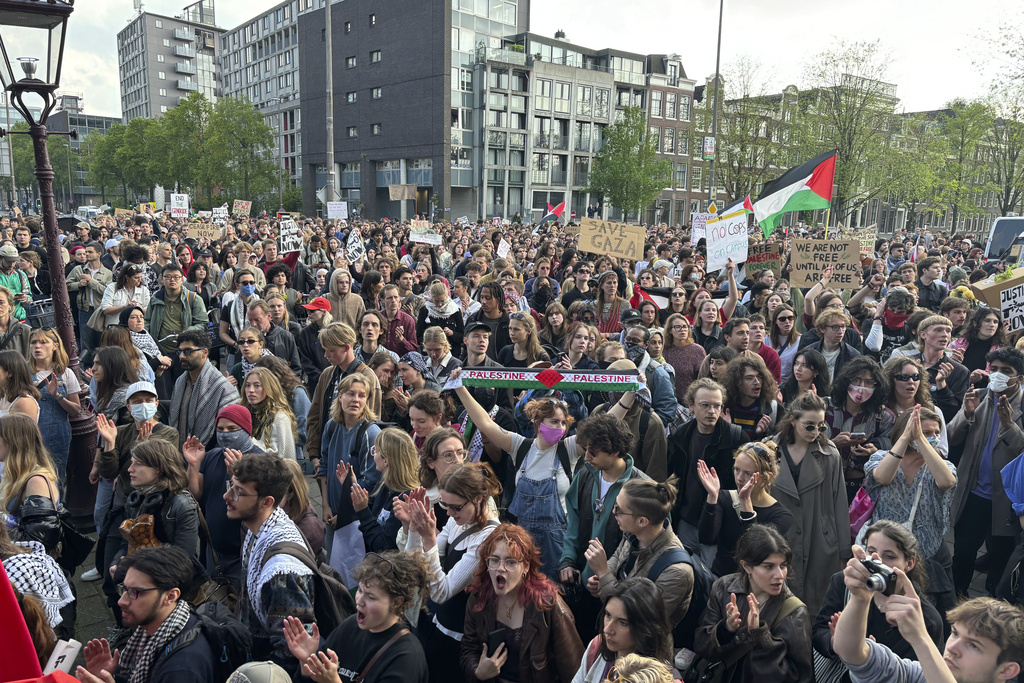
(508, 564)
(619, 512)
(132, 591)
(187, 352)
(705, 406)
(838, 329)
(172, 278)
(235, 493)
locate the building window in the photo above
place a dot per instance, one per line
(159, 24)
(542, 89)
(350, 62)
(670, 105)
(375, 57)
(656, 98)
(373, 20)
(656, 136)
(684, 108)
(670, 141)
(161, 75)
(163, 108)
(603, 97)
(163, 92)
(160, 58)
(681, 176)
(563, 92)
(374, 129)
(351, 97)
(375, 93)
(696, 179)
(684, 143)
(351, 132)
(348, 26)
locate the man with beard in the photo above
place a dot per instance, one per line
(151, 601)
(277, 585)
(200, 392)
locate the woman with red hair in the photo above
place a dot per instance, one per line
(517, 628)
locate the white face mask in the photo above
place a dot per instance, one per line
(998, 382)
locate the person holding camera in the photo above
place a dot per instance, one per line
(897, 549)
(986, 646)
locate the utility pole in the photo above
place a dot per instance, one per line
(330, 107)
(714, 113)
(280, 145)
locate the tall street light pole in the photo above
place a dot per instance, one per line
(280, 168)
(330, 107)
(714, 113)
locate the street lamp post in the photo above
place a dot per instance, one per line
(280, 146)
(27, 26)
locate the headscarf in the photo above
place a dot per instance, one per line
(416, 361)
(143, 341)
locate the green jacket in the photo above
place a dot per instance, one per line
(193, 315)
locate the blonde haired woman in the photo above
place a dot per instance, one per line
(682, 353)
(525, 349)
(394, 455)
(441, 311)
(29, 482)
(58, 401)
(441, 358)
(273, 424)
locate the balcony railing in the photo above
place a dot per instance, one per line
(541, 140)
(559, 177)
(184, 34)
(501, 55)
(517, 177)
(539, 177)
(187, 85)
(184, 51)
(183, 68)
(581, 178)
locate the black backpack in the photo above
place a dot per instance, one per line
(229, 639)
(561, 449)
(703, 579)
(332, 602)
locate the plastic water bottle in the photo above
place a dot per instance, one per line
(8, 520)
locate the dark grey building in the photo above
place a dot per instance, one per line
(404, 101)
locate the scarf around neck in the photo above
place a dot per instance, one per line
(142, 648)
(449, 309)
(278, 528)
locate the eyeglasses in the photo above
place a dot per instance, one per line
(619, 512)
(679, 328)
(187, 352)
(784, 318)
(904, 377)
(814, 427)
(374, 559)
(452, 506)
(172, 278)
(246, 342)
(132, 591)
(518, 316)
(508, 564)
(836, 328)
(237, 493)
(452, 456)
(248, 283)
(705, 406)
(678, 294)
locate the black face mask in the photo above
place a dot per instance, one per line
(603, 365)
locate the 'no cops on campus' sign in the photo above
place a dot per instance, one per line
(727, 239)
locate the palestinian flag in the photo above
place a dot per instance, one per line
(740, 204)
(661, 296)
(550, 378)
(803, 188)
(553, 214)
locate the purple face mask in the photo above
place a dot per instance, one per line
(551, 434)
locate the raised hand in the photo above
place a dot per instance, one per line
(945, 370)
(753, 615)
(145, 431)
(231, 456)
(764, 424)
(596, 557)
(343, 472)
(709, 478)
(971, 402)
(193, 451)
(904, 610)
(360, 498)
(98, 657)
(300, 643)
(107, 430)
(733, 620)
(832, 622)
(747, 490)
(322, 667)
(490, 667)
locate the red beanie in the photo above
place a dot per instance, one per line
(238, 414)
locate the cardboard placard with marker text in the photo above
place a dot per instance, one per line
(811, 257)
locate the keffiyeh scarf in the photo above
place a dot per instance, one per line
(247, 366)
(35, 573)
(144, 342)
(142, 648)
(277, 529)
(449, 309)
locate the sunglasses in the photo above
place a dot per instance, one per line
(814, 428)
(452, 506)
(903, 377)
(784, 318)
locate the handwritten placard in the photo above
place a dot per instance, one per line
(764, 256)
(698, 229)
(1011, 303)
(290, 239)
(727, 240)
(612, 239)
(124, 214)
(337, 210)
(240, 207)
(811, 257)
(204, 231)
(504, 248)
(179, 205)
(422, 233)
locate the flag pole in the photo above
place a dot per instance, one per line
(828, 216)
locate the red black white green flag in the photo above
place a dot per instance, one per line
(802, 188)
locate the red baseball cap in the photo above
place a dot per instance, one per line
(318, 304)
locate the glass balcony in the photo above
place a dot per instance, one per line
(184, 34)
(559, 177)
(183, 68)
(187, 85)
(184, 51)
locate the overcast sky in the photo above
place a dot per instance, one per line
(934, 44)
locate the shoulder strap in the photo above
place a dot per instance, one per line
(791, 605)
(563, 457)
(524, 450)
(472, 530)
(735, 496)
(376, 655)
(584, 489)
(296, 550)
(593, 651)
(667, 559)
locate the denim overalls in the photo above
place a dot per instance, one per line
(55, 425)
(538, 510)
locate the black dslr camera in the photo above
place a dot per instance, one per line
(883, 579)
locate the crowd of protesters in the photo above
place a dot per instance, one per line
(798, 488)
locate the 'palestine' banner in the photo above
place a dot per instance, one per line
(550, 378)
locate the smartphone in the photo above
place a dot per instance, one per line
(494, 639)
(859, 435)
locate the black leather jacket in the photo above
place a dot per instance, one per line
(176, 517)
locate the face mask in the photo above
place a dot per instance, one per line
(551, 434)
(174, 243)
(933, 441)
(894, 320)
(143, 412)
(695, 276)
(784, 295)
(998, 382)
(237, 440)
(859, 394)
(247, 290)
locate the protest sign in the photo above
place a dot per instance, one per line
(698, 226)
(504, 248)
(612, 239)
(147, 207)
(727, 239)
(422, 233)
(291, 239)
(1007, 295)
(462, 220)
(179, 205)
(240, 207)
(124, 214)
(204, 231)
(337, 210)
(811, 257)
(763, 256)
(355, 247)
(866, 236)
(220, 214)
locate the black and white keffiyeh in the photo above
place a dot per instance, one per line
(37, 574)
(247, 366)
(142, 648)
(278, 528)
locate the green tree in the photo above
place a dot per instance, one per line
(25, 160)
(849, 107)
(180, 148)
(133, 156)
(100, 171)
(1006, 139)
(963, 126)
(911, 165)
(627, 169)
(242, 147)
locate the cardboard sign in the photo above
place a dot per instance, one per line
(867, 236)
(462, 220)
(504, 248)
(698, 223)
(420, 225)
(811, 257)
(612, 239)
(1015, 252)
(240, 207)
(220, 214)
(1007, 296)
(290, 239)
(337, 210)
(422, 233)
(401, 192)
(147, 207)
(764, 256)
(727, 240)
(204, 231)
(123, 214)
(179, 205)
(355, 247)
